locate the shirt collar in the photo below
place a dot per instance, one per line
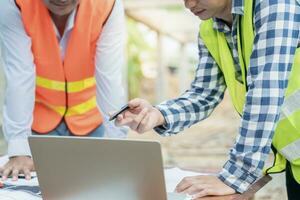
(69, 25)
(237, 9)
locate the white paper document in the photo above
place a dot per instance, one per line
(17, 195)
(174, 175)
(18, 191)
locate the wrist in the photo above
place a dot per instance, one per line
(160, 119)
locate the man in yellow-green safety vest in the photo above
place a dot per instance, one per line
(251, 48)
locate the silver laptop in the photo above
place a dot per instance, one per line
(73, 168)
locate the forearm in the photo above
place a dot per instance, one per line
(18, 115)
(190, 108)
(206, 92)
(252, 147)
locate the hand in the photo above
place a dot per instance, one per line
(200, 186)
(141, 116)
(17, 165)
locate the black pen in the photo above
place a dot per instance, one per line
(115, 115)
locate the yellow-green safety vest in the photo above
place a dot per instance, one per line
(286, 140)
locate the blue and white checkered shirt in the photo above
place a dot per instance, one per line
(277, 28)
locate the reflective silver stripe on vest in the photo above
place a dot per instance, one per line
(291, 104)
(292, 151)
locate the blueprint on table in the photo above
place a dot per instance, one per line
(20, 192)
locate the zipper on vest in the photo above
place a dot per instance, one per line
(66, 90)
(66, 93)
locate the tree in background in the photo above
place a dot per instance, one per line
(135, 45)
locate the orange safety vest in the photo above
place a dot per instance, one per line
(65, 89)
